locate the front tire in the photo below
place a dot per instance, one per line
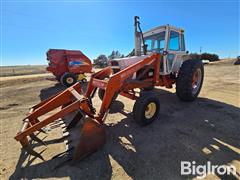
(146, 108)
(189, 80)
(68, 79)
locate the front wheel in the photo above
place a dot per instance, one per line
(189, 80)
(146, 108)
(68, 79)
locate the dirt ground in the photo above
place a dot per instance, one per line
(207, 129)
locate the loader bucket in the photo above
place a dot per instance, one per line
(92, 138)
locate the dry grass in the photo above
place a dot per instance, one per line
(22, 70)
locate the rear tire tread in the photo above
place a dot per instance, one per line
(184, 80)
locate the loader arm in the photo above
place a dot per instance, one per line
(121, 82)
(74, 100)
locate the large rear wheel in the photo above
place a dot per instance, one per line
(189, 80)
(146, 108)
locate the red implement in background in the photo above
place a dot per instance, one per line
(67, 65)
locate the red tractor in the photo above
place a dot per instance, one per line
(68, 66)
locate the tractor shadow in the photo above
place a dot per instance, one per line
(200, 131)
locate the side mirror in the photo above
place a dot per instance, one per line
(165, 53)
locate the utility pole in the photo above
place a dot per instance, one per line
(200, 50)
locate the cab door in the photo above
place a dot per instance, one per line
(172, 48)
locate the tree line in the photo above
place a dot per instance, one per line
(102, 60)
(205, 56)
(210, 57)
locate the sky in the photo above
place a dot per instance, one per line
(30, 27)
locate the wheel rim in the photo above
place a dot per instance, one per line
(69, 80)
(196, 80)
(150, 110)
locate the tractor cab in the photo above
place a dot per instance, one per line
(167, 40)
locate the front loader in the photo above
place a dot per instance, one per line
(143, 71)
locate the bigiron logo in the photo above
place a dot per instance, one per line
(191, 168)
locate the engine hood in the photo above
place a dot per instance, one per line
(125, 62)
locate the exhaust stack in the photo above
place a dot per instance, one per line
(139, 39)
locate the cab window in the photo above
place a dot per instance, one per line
(148, 42)
(162, 44)
(155, 44)
(174, 41)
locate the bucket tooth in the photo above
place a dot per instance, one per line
(35, 138)
(66, 134)
(30, 151)
(75, 120)
(56, 125)
(42, 131)
(63, 126)
(68, 141)
(58, 122)
(92, 138)
(65, 131)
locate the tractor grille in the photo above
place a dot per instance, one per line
(114, 63)
(115, 66)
